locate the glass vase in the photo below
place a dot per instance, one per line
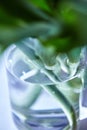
(44, 86)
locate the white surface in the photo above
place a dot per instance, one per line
(6, 122)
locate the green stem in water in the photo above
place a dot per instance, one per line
(64, 103)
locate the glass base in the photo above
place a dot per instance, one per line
(42, 123)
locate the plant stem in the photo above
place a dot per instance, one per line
(64, 103)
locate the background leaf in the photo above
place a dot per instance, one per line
(66, 19)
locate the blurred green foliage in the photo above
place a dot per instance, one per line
(58, 23)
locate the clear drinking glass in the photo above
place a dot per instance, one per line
(44, 87)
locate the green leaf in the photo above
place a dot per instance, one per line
(53, 4)
(16, 17)
(42, 4)
(23, 10)
(10, 34)
(80, 6)
(74, 27)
